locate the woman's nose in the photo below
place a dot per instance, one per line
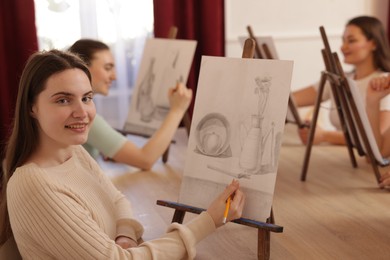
(343, 46)
(79, 110)
(113, 75)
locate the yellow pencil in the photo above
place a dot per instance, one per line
(225, 214)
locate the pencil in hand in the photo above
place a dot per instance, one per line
(227, 207)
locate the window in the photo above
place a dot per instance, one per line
(122, 24)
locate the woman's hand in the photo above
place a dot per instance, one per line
(378, 88)
(217, 207)
(380, 83)
(180, 97)
(125, 242)
(385, 180)
(319, 134)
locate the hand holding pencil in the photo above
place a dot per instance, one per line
(179, 97)
(227, 208)
(229, 204)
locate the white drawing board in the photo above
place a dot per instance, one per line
(236, 131)
(357, 97)
(164, 63)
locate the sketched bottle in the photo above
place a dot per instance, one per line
(145, 103)
(250, 151)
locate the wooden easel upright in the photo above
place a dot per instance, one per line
(264, 228)
(268, 55)
(364, 148)
(172, 34)
(350, 120)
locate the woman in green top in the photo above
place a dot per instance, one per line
(107, 140)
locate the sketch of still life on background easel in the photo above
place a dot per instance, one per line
(213, 138)
(164, 63)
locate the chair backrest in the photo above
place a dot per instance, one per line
(9, 250)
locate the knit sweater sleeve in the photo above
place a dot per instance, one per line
(49, 223)
(126, 224)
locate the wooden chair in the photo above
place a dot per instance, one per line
(357, 131)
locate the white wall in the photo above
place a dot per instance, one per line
(294, 27)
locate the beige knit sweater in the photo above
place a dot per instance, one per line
(73, 211)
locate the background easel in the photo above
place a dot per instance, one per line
(186, 121)
(268, 55)
(264, 228)
(350, 119)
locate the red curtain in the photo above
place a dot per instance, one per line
(18, 40)
(388, 21)
(201, 20)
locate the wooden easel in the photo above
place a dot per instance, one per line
(268, 55)
(172, 34)
(264, 228)
(350, 120)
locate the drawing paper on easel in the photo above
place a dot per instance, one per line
(236, 131)
(164, 63)
(357, 98)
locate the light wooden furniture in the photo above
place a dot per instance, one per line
(337, 214)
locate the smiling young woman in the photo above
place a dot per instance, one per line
(366, 48)
(57, 203)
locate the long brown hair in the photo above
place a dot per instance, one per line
(373, 29)
(25, 136)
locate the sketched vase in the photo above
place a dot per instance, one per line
(145, 103)
(249, 157)
(146, 108)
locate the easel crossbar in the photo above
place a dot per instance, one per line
(243, 221)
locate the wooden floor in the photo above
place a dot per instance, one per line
(338, 213)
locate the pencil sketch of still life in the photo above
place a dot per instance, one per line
(165, 62)
(237, 129)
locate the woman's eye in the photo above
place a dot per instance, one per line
(63, 101)
(87, 99)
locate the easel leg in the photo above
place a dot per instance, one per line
(178, 216)
(374, 166)
(313, 127)
(187, 122)
(165, 155)
(263, 244)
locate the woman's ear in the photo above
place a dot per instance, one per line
(32, 111)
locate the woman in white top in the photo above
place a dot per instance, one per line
(365, 46)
